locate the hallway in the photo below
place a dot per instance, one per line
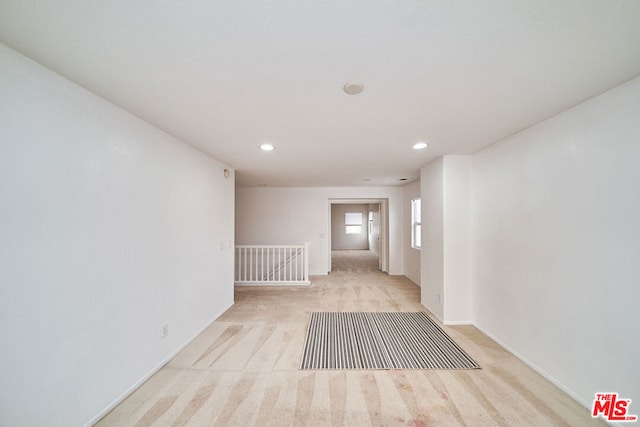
(243, 370)
(353, 260)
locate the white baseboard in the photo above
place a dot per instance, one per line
(141, 381)
(431, 312)
(458, 323)
(536, 368)
(271, 284)
(415, 282)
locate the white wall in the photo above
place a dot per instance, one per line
(556, 241)
(108, 228)
(432, 253)
(457, 240)
(267, 216)
(411, 255)
(339, 238)
(374, 236)
(446, 233)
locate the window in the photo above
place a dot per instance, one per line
(353, 222)
(370, 222)
(416, 223)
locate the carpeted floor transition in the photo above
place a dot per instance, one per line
(397, 340)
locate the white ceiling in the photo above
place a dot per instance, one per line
(226, 76)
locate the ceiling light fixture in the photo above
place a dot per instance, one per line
(267, 147)
(353, 88)
(420, 145)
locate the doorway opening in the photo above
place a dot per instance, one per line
(358, 235)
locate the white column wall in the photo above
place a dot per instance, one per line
(432, 253)
(374, 237)
(457, 240)
(411, 255)
(446, 233)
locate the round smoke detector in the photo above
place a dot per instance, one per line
(353, 88)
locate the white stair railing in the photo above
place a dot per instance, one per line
(272, 265)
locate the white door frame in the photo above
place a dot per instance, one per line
(384, 227)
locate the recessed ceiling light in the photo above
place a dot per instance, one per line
(267, 147)
(353, 88)
(402, 179)
(420, 145)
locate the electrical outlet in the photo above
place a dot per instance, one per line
(439, 298)
(165, 330)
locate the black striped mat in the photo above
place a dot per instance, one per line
(380, 341)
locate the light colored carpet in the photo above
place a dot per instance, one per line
(244, 371)
(361, 340)
(353, 261)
